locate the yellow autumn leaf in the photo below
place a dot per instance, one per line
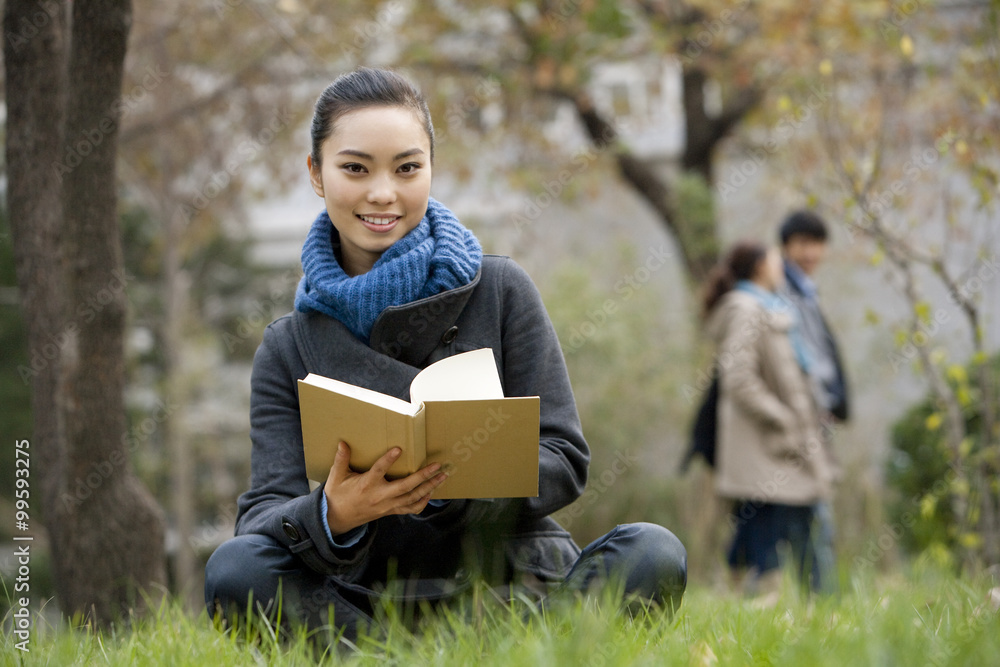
(923, 311)
(970, 540)
(826, 67)
(906, 46)
(927, 507)
(933, 421)
(964, 396)
(961, 147)
(965, 447)
(784, 103)
(877, 257)
(956, 372)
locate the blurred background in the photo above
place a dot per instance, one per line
(613, 149)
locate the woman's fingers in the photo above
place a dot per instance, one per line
(385, 462)
(371, 495)
(418, 480)
(341, 460)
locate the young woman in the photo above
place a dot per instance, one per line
(393, 282)
(769, 457)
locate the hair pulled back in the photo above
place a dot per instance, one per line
(740, 263)
(365, 87)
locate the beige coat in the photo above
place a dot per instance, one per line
(769, 447)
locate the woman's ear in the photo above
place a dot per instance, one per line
(315, 176)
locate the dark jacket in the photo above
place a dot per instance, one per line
(829, 369)
(501, 538)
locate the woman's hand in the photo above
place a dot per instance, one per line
(353, 499)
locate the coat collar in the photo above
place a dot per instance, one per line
(410, 332)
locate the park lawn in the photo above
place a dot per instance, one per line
(920, 619)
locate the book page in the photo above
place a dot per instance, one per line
(462, 377)
(362, 394)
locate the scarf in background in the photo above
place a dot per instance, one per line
(439, 254)
(776, 303)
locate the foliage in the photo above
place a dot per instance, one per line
(919, 471)
(625, 363)
(924, 619)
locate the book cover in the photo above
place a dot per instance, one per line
(457, 416)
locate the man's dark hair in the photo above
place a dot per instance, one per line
(806, 223)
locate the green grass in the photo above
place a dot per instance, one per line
(922, 620)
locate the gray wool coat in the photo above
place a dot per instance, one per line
(499, 539)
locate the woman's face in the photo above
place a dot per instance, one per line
(375, 178)
(770, 273)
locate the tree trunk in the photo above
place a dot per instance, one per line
(106, 532)
(34, 57)
(117, 536)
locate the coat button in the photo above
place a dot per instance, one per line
(449, 336)
(290, 529)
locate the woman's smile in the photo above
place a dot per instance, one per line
(379, 222)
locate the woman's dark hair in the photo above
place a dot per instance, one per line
(804, 223)
(362, 88)
(740, 263)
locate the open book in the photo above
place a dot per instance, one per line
(457, 415)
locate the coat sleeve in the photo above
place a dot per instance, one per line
(533, 365)
(740, 361)
(279, 503)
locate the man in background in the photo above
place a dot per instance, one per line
(803, 237)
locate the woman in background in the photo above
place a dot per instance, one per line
(769, 458)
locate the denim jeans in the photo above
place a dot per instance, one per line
(760, 530)
(647, 560)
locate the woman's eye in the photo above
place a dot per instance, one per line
(409, 167)
(354, 168)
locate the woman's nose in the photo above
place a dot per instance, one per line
(382, 191)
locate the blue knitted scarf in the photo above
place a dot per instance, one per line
(774, 302)
(437, 255)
